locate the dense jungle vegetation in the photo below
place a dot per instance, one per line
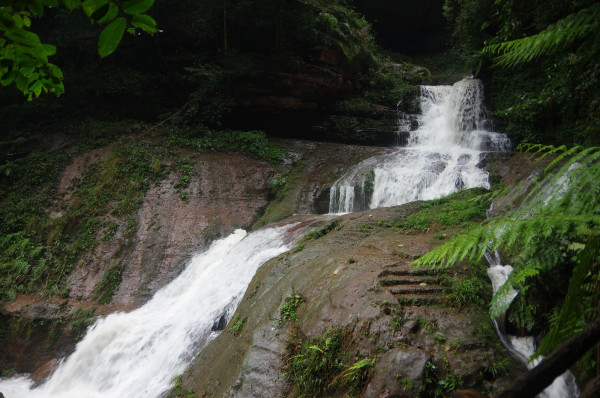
(212, 66)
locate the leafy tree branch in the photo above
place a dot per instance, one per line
(24, 58)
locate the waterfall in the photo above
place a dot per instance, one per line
(523, 348)
(442, 156)
(137, 354)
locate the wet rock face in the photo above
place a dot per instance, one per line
(393, 372)
(402, 319)
(226, 192)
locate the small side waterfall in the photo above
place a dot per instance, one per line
(442, 155)
(137, 354)
(523, 348)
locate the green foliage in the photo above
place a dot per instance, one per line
(461, 208)
(38, 250)
(499, 367)
(405, 382)
(24, 58)
(429, 326)
(356, 376)
(553, 96)
(251, 143)
(436, 384)
(319, 233)
(288, 310)
(555, 37)
(396, 324)
(105, 289)
(314, 364)
(237, 324)
(553, 235)
(81, 319)
(177, 390)
(466, 291)
(388, 85)
(276, 186)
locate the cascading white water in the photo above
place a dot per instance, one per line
(137, 354)
(442, 155)
(523, 348)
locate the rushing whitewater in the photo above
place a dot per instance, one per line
(137, 354)
(523, 348)
(442, 155)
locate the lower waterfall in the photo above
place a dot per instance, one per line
(137, 354)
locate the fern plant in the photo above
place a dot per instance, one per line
(555, 37)
(555, 229)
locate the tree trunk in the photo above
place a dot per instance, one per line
(225, 25)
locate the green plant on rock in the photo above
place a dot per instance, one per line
(313, 364)
(319, 233)
(105, 289)
(397, 322)
(552, 235)
(276, 186)
(465, 291)
(288, 310)
(177, 390)
(81, 319)
(236, 325)
(356, 376)
(429, 326)
(406, 382)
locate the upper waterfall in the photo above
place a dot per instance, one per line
(442, 156)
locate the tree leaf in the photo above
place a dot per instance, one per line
(71, 4)
(91, 6)
(23, 37)
(50, 3)
(110, 14)
(111, 36)
(49, 49)
(137, 6)
(144, 22)
(18, 21)
(8, 78)
(36, 7)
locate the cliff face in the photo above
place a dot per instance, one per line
(355, 280)
(137, 254)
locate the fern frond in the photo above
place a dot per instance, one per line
(502, 300)
(562, 157)
(555, 37)
(528, 147)
(527, 272)
(547, 190)
(510, 234)
(554, 150)
(572, 315)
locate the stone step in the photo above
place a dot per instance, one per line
(419, 300)
(417, 289)
(409, 280)
(409, 272)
